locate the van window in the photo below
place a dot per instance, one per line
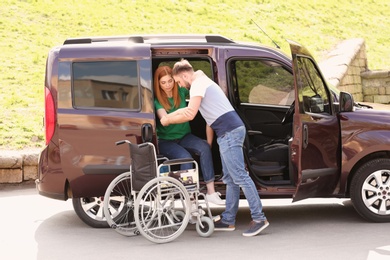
(108, 84)
(203, 65)
(263, 82)
(313, 97)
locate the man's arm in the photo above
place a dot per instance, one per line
(209, 134)
(184, 114)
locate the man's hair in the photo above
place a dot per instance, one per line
(181, 66)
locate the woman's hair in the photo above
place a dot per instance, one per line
(160, 94)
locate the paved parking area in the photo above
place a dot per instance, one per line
(35, 227)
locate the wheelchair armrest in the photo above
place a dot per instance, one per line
(178, 161)
(162, 157)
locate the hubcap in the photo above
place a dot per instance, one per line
(93, 207)
(376, 192)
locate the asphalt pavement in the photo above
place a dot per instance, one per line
(35, 227)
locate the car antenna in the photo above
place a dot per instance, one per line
(277, 46)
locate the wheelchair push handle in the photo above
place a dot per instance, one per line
(127, 141)
(122, 142)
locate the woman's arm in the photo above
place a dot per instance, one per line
(161, 112)
(184, 114)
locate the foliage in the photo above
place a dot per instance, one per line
(29, 28)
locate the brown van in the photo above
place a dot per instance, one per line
(99, 90)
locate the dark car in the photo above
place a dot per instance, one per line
(300, 142)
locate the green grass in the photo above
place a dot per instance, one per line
(28, 29)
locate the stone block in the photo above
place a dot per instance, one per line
(356, 71)
(30, 172)
(350, 88)
(363, 65)
(11, 176)
(355, 63)
(358, 97)
(370, 91)
(30, 158)
(332, 71)
(368, 99)
(357, 79)
(343, 88)
(10, 159)
(382, 99)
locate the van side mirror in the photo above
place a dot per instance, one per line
(346, 102)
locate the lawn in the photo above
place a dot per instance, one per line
(28, 29)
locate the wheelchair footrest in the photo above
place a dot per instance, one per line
(187, 177)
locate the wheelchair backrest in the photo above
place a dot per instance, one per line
(143, 164)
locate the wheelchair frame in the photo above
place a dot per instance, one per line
(159, 205)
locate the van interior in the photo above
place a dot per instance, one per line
(266, 148)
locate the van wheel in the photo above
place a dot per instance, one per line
(370, 190)
(90, 211)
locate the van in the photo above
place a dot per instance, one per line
(98, 90)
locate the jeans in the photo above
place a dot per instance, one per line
(176, 149)
(235, 177)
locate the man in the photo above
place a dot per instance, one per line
(207, 97)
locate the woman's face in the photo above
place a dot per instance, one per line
(166, 84)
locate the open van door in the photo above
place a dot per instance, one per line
(315, 148)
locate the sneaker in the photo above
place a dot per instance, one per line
(255, 228)
(220, 226)
(215, 199)
(216, 218)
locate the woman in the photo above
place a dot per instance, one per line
(176, 141)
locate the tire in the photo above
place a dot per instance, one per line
(178, 217)
(208, 227)
(370, 190)
(119, 205)
(156, 210)
(90, 211)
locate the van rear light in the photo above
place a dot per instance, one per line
(49, 115)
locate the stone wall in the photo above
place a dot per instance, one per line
(346, 68)
(343, 66)
(18, 166)
(376, 86)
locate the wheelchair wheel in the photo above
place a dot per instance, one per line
(162, 209)
(178, 217)
(205, 227)
(119, 205)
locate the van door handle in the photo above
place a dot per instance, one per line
(305, 136)
(146, 132)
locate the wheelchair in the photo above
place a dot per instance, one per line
(154, 201)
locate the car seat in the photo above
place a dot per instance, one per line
(266, 161)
